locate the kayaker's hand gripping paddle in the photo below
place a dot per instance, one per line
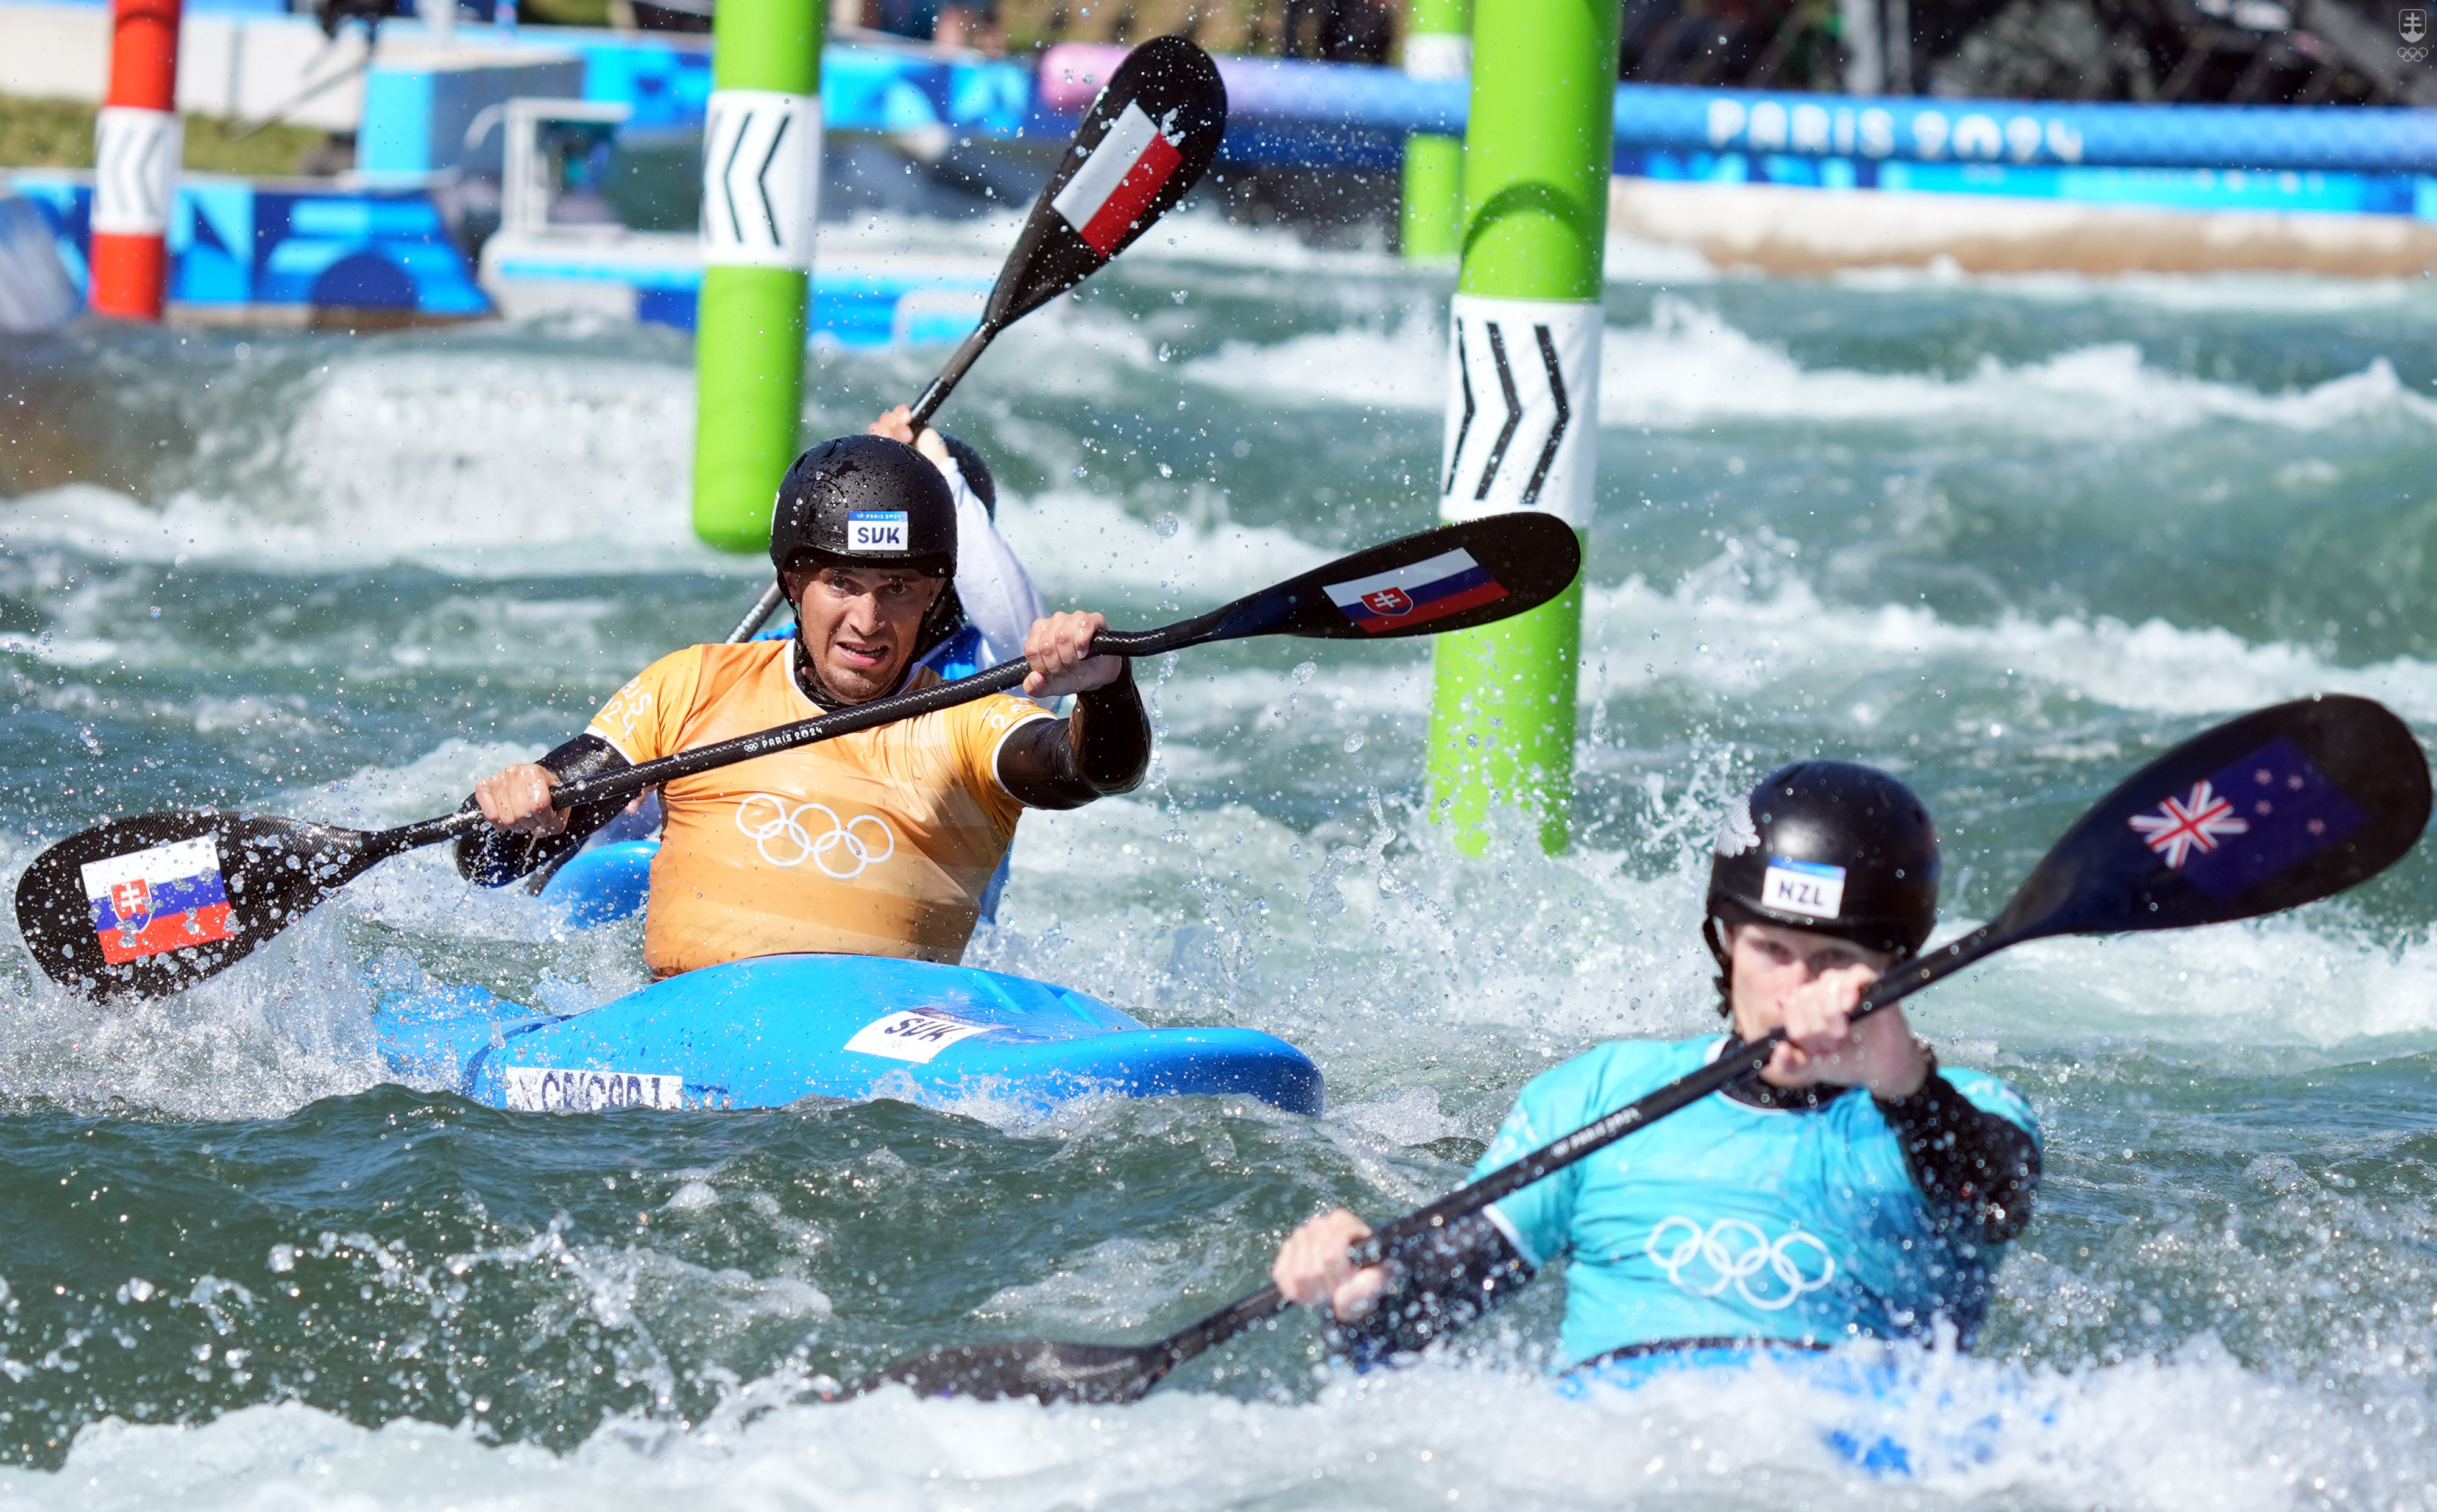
(144, 907)
(2325, 792)
(1146, 141)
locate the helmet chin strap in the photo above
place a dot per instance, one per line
(1714, 929)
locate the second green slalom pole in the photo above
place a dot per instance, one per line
(1436, 46)
(1522, 423)
(761, 189)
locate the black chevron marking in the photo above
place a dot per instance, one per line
(1514, 412)
(1565, 412)
(761, 180)
(1464, 426)
(728, 182)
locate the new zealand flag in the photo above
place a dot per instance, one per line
(2261, 817)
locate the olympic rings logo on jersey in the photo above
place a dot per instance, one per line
(841, 850)
(1735, 1253)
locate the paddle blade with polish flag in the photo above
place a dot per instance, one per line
(1146, 140)
(1109, 193)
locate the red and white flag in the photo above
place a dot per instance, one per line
(1117, 183)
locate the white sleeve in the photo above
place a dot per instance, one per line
(994, 586)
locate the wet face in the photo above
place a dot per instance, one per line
(1766, 964)
(858, 624)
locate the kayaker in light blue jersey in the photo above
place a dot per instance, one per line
(1853, 1190)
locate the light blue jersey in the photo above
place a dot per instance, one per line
(1729, 1222)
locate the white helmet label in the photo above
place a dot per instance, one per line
(1806, 887)
(876, 530)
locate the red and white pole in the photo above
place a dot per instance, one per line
(137, 146)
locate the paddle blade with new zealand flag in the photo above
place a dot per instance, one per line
(2280, 807)
(1146, 140)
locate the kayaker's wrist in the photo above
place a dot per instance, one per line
(1119, 690)
(1909, 1080)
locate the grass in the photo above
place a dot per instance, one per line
(1222, 26)
(58, 133)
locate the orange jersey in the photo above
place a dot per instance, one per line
(878, 843)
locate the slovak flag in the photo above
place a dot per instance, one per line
(160, 900)
(1447, 584)
(1117, 183)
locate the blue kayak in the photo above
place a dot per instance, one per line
(776, 1029)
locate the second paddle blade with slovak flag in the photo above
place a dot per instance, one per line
(1451, 578)
(1145, 140)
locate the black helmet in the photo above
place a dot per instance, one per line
(864, 501)
(976, 471)
(1832, 846)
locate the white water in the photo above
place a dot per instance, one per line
(1426, 984)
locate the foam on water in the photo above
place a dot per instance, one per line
(1191, 914)
(2193, 1433)
(1731, 635)
(2225, 1301)
(1690, 366)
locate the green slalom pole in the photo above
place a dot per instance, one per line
(760, 186)
(1437, 47)
(1522, 426)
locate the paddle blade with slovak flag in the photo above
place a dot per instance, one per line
(147, 905)
(1146, 140)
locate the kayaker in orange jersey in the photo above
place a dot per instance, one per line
(881, 842)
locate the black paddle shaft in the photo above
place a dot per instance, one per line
(1532, 557)
(1399, 1234)
(93, 923)
(2277, 808)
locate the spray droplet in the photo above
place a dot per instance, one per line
(1353, 744)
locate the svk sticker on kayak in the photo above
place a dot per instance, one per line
(912, 1036)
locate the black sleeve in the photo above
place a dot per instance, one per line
(1102, 748)
(1442, 1284)
(494, 858)
(1975, 1166)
